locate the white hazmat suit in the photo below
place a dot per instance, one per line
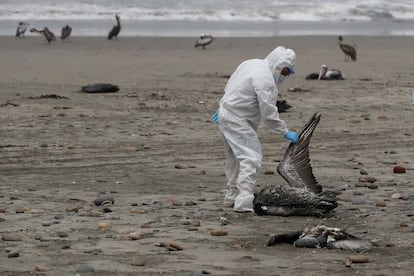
(250, 96)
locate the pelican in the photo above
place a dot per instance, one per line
(203, 41)
(322, 236)
(326, 74)
(115, 29)
(49, 36)
(66, 31)
(348, 50)
(21, 29)
(304, 195)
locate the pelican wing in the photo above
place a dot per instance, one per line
(295, 167)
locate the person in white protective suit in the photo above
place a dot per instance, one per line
(250, 96)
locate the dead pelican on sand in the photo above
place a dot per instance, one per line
(326, 74)
(304, 195)
(322, 236)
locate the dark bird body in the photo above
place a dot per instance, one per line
(49, 36)
(321, 236)
(66, 31)
(304, 195)
(116, 29)
(349, 51)
(21, 29)
(326, 74)
(203, 41)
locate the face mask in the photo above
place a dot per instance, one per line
(281, 79)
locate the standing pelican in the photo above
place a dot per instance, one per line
(66, 31)
(348, 50)
(326, 74)
(322, 236)
(304, 195)
(203, 41)
(115, 29)
(21, 29)
(49, 36)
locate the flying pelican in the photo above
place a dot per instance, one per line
(49, 36)
(115, 29)
(321, 236)
(21, 29)
(203, 41)
(304, 195)
(326, 74)
(66, 31)
(348, 50)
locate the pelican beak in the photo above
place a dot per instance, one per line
(321, 72)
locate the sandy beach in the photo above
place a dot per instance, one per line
(153, 150)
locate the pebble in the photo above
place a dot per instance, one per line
(218, 232)
(372, 186)
(134, 236)
(46, 223)
(40, 268)
(10, 237)
(396, 196)
(85, 268)
(13, 254)
(22, 210)
(107, 210)
(399, 169)
(381, 203)
(102, 200)
(190, 203)
(358, 202)
(367, 178)
(363, 172)
(59, 216)
(138, 263)
(104, 225)
(62, 234)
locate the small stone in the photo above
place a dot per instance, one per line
(13, 254)
(138, 263)
(10, 237)
(134, 236)
(190, 203)
(22, 210)
(367, 178)
(193, 228)
(107, 210)
(62, 234)
(40, 268)
(363, 172)
(372, 186)
(104, 200)
(218, 232)
(180, 167)
(396, 196)
(59, 216)
(136, 211)
(85, 268)
(381, 203)
(399, 169)
(104, 225)
(46, 223)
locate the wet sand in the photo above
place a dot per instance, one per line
(153, 149)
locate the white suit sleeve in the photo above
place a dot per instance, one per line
(267, 93)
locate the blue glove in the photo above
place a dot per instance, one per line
(292, 136)
(214, 118)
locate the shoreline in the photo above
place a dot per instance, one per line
(175, 28)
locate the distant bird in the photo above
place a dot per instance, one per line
(203, 41)
(115, 29)
(322, 236)
(49, 36)
(21, 29)
(66, 31)
(349, 51)
(326, 74)
(304, 195)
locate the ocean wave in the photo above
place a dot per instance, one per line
(214, 10)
